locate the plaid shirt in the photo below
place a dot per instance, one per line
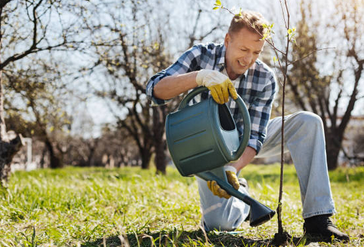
(257, 87)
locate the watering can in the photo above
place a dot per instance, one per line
(203, 137)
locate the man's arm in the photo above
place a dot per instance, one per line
(247, 156)
(231, 170)
(219, 85)
(172, 86)
(188, 72)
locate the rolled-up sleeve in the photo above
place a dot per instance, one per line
(187, 62)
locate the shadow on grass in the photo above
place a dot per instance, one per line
(185, 238)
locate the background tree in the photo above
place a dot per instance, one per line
(136, 47)
(117, 148)
(36, 87)
(325, 94)
(354, 150)
(121, 50)
(27, 28)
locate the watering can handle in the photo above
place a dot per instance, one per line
(245, 114)
(190, 96)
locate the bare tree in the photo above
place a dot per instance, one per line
(128, 55)
(326, 94)
(28, 28)
(37, 88)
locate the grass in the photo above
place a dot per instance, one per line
(130, 206)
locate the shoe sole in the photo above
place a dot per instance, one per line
(321, 238)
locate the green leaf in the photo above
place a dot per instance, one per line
(215, 8)
(218, 3)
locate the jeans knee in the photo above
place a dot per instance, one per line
(218, 222)
(309, 119)
(227, 220)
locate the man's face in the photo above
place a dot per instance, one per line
(242, 49)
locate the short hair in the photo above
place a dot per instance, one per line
(251, 20)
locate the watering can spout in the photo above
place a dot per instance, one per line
(259, 213)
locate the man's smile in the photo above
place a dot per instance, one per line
(241, 64)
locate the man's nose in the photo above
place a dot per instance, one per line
(248, 58)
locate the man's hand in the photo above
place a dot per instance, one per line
(219, 85)
(232, 179)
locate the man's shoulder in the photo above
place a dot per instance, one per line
(263, 67)
(209, 48)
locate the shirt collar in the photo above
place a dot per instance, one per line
(220, 63)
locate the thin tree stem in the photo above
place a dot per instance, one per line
(279, 209)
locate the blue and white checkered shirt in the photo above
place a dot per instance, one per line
(257, 87)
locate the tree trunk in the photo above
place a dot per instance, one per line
(92, 147)
(42, 160)
(160, 157)
(333, 146)
(145, 158)
(159, 141)
(55, 161)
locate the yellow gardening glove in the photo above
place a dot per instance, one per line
(219, 85)
(232, 179)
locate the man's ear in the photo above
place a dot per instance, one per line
(227, 39)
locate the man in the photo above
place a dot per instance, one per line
(231, 68)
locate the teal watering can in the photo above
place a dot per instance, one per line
(203, 137)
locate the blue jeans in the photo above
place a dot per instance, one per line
(304, 139)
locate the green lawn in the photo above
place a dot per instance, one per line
(103, 207)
